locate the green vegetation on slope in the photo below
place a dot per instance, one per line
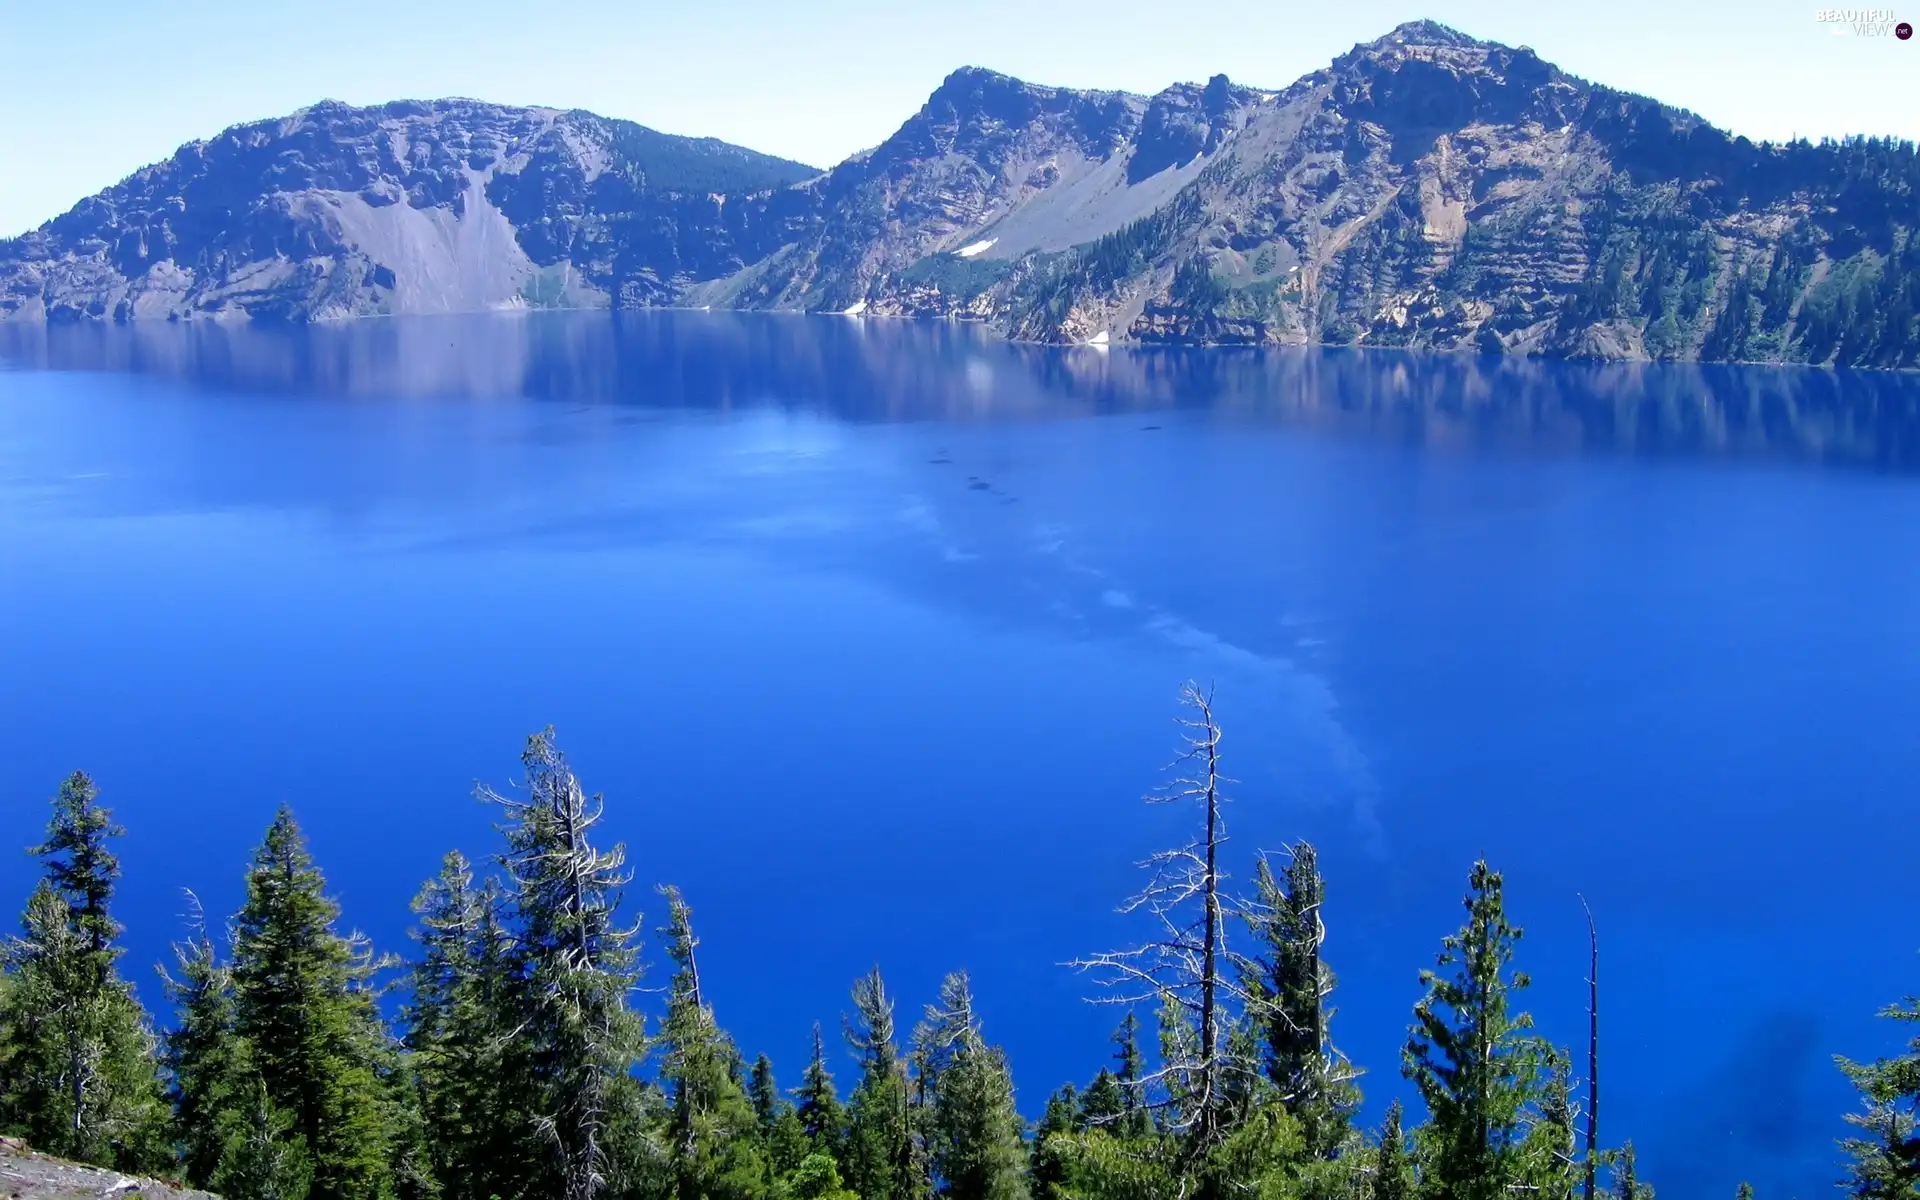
(667, 163)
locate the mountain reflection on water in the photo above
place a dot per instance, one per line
(880, 370)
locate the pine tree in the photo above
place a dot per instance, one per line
(975, 1148)
(764, 1094)
(462, 986)
(782, 1141)
(214, 1080)
(576, 969)
(1626, 1183)
(1745, 1192)
(1885, 1155)
(1554, 1167)
(1047, 1174)
(821, 1115)
(304, 1000)
(265, 1158)
(1393, 1177)
(816, 1178)
(10, 1070)
(1103, 1103)
(81, 869)
(1287, 984)
(884, 1158)
(1470, 1057)
(1136, 1119)
(712, 1135)
(84, 1074)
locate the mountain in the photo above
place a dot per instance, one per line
(409, 207)
(1425, 190)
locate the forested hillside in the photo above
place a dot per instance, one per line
(508, 1053)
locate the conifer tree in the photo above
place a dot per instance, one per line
(974, 1142)
(1287, 984)
(1885, 1154)
(1745, 1192)
(1047, 1174)
(1554, 1166)
(884, 1158)
(1103, 1103)
(1627, 1185)
(713, 1125)
(8, 1049)
(1393, 1177)
(265, 1157)
(81, 869)
(764, 1094)
(304, 1000)
(577, 966)
(1470, 1056)
(822, 1118)
(462, 986)
(1130, 1074)
(817, 1178)
(214, 1083)
(83, 1079)
(782, 1141)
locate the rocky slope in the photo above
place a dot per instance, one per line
(1426, 189)
(25, 1175)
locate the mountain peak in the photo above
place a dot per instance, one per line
(1425, 32)
(968, 75)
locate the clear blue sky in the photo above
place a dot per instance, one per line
(93, 89)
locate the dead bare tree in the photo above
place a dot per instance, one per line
(580, 963)
(1184, 970)
(1593, 1051)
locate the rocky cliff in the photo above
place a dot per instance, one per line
(1426, 189)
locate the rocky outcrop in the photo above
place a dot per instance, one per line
(1424, 190)
(25, 1175)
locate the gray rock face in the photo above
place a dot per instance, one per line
(25, 1175)
(1426, 189)
(446, 206)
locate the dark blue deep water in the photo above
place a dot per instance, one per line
(871, 633)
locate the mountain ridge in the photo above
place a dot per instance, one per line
(1426, 189)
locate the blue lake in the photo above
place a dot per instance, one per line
(871, 632)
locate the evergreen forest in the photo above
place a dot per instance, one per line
(506, 1055)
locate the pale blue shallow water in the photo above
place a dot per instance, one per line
(871, 634)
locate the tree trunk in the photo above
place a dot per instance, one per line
(1209, 980)
(1593, 1050)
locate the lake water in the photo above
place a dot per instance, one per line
(871, 633)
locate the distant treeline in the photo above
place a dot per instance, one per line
(518, 1067)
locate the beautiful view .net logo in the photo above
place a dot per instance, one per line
(1864, 22)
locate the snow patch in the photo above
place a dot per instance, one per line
(976, 248)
